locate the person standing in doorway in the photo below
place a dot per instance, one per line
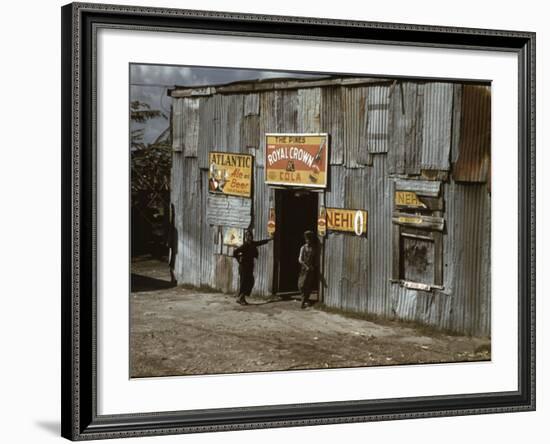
(246, 254)
(308, 271)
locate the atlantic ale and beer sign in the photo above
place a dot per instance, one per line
(230, 173)
(296, 160)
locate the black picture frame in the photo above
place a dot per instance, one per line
(80, 420)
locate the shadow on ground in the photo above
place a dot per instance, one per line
(146, 283)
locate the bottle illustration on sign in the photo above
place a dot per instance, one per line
(314, 174)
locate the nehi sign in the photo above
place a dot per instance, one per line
(340, 219)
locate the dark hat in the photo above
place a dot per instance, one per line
(309, 233)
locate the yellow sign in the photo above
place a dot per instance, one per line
(410, 220)
(296, 159)
(233, 236)
(230, 174)
(408, 199)
(340, 219)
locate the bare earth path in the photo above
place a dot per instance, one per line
(178, 331)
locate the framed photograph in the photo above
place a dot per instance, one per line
(276, 221)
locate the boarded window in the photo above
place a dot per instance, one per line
(418, 234)
(418, 259)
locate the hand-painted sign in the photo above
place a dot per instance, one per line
(410, 220)
(322, 222)
(230, 173)
(233, 236)
(340, 219)
(271, 223)
(408, 199)
(296, 160)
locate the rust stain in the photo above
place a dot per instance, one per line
(474, 158)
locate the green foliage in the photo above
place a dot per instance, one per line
(150, 163)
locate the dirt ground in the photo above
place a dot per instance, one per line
(179, 331)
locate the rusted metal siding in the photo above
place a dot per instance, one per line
(405, 122)
(474, 157)
(436, 128)
(334, 242)
(467, 249)
(353, 126)
(379, 205)
(429, 126)
(359, 267)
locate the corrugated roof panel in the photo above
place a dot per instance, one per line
(474, 158)
(436, 128)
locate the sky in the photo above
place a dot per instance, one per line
(150, 83)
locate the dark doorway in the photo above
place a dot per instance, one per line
(296, 212)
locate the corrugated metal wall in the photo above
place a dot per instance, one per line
(379, 133)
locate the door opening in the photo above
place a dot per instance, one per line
(296, 212)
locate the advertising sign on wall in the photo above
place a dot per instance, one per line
(232, 236)
(341, 219)
(296, 160)
(230, 173)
